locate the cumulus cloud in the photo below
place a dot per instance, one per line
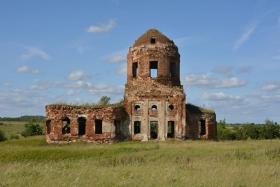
(105, 27)
(80, 84)
(26, 69)
(106, 90)
(116, 58)
(271, 87)
(43, 85)
(31, 52)
(181, 41)
(246, 35)
(207, 81)
(16, 102)
(271, 98)
(220, 96)
(224, 70)
(229, 71)
(77, 75)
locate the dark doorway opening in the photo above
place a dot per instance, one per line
(98, 126)
(66, 126)
(117, 124)
(81, 126)
(137, 127)
(202, 127)
(134, 69)
(170, 129)
(48, 126)
(153, 129)
(153, 40)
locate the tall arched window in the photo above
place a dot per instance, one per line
(66, 126)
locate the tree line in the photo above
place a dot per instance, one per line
(267, 130)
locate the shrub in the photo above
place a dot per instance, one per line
(225, 133)
(32, 130)
(2, 136)
(14, 136)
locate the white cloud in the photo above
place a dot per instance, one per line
(26, 69)
(229, 71)
(103, 27)
(271, 98)
(106, 90)
(43, 85)
(182, 41)
(77, 75)
(224, 70)
(80, 84)
(31, 52)
(245, 36)
(117, 58)
(206, 81)
(271, 87)
(220, 96)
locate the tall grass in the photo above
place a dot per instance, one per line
(31, 162)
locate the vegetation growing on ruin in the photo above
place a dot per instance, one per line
(198, 109)
(102, 103)
(31, 162)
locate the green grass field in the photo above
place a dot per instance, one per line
(31, 162)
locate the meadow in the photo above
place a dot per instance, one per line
(32, 162)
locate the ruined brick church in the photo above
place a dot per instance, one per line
(154, 106)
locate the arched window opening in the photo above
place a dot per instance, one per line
(154, 108)
(137, 107)
(48, 126)
(171, 107)
(66, 126)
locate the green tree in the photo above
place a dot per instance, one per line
(32, 129)
(104, 100)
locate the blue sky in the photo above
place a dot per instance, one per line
(74, 52)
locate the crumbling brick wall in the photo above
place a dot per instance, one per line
(108, 114)
(195, 115)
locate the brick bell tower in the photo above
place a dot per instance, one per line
(154, 97)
